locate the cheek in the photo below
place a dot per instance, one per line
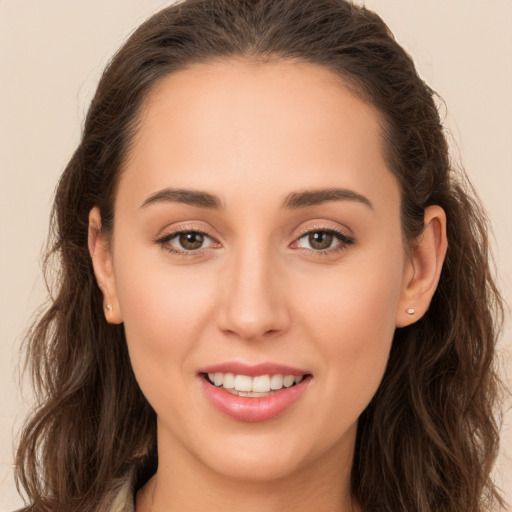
(357, 298)
(164, 311)
(353, 323)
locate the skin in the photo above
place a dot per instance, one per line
(258, 291)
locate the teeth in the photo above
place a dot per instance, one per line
(276, 382)
(261, 384)
(228, 381)
(243, 385)
(288, 380)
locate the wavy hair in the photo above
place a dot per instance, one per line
(428, 439)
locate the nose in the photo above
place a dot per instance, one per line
(254, 304)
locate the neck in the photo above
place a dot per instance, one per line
(182, 483)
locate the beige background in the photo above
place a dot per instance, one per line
(51, 55)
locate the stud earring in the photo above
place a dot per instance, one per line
(410, 311)
(108, 307)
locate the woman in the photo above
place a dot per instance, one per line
(275, 291)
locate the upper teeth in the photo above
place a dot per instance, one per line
(258, 384)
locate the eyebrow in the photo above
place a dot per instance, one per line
(191, 197)
(314, 197)
(294, 200)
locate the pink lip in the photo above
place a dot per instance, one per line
(253, 370)
(253, 408)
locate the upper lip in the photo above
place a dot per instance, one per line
(253, 370)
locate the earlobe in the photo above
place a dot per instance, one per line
(423, 268)
(103, 268)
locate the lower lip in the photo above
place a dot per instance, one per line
(254, 408)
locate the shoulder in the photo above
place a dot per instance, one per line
(120, 497)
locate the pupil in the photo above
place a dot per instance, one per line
(191, 241)
(320, 240)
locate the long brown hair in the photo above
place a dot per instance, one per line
(428, 439)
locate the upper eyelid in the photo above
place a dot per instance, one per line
(172, 232)
(343, 238)
(302, 232)
(320, 226)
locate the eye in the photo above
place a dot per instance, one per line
(323, 240)
(319, 240)
(189, 241)
(182, 241)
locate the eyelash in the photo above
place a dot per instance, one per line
(343, 239)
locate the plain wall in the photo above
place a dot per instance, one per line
(51, 56)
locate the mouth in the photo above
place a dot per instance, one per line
(253, 386)
(253, 393)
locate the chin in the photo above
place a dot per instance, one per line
(257, 468)
(273, 457)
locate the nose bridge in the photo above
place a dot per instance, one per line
(254, 303)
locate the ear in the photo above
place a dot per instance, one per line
(423, 268)
(103, 267)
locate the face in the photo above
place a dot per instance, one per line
(256, 244)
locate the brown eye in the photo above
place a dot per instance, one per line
(186, 242)
(320, 240)
(323, 241)
(191, 241)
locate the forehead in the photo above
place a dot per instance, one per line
(280, 125)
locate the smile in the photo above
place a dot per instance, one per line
(257, 386)
(252, 393)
